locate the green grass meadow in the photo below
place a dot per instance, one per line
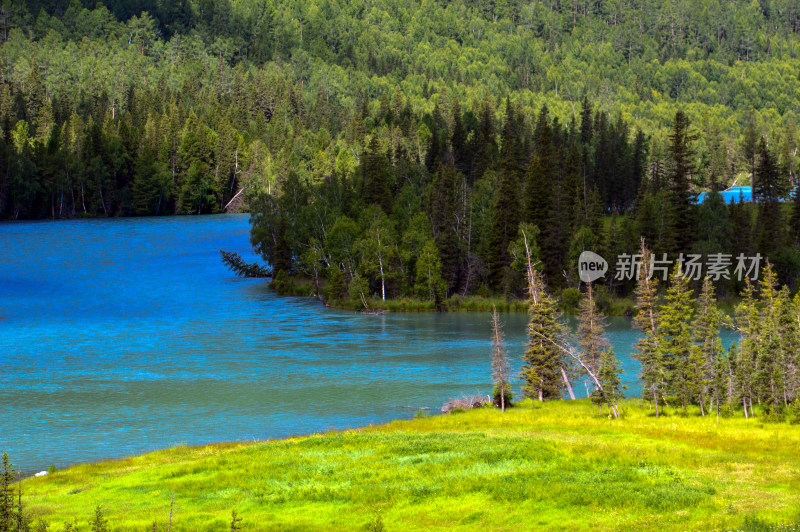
(557, 466)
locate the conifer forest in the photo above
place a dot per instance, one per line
(577, 161)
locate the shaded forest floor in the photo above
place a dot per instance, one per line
(557, 466)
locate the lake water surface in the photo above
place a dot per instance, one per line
(119, 336)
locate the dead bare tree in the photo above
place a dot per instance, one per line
(499, 358)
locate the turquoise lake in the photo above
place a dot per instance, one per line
(120, 336)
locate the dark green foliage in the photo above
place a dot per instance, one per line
(680, 215)
(648, 352)
(234, 263)
(706, 371)
(675, 338)
(8, 501)
(609, 376)
(769, 187)
(542, 361)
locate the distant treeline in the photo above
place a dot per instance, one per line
(375, 141)
(155, 107)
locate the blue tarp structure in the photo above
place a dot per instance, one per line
(734, 195)
(731, 195)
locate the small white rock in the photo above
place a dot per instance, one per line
(40, 474)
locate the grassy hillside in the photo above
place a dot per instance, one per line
(555, 467)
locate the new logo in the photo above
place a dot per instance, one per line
(591, 266)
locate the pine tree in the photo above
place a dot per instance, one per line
(376, 177)
(675, 337)
(499, 362)
(7, 477)
(768, 190)
(646, 320)
(99, 523)
(542, 174)
(506, 217)
(747, 319)
(681, 226)
(542, 370)
(707, 348)
(768, 373)
(609, 375)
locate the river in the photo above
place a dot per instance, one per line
(120, 336)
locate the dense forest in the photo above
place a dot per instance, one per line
(403, 145)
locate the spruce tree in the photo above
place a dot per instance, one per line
(768, 373)
(646, 320)
(506, 214)
(99, 523)
(609, 376)
(505, 221)
(750, 147)
(707, 349)
(675, 337)
(681, 226)
(376, 177)
(792, 350)
(542, 174)
(7, 477)
(542, 366)
(783, 368)
(768, 190)
(724, 385)
(747, 323)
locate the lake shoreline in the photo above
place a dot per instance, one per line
(611, 306)
(304, 288)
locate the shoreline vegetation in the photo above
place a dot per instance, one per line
(551, 465)
(568, 301)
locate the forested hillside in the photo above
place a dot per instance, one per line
(366, 136)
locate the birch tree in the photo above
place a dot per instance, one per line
(378, 248)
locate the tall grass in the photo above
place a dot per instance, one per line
(556, 466)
